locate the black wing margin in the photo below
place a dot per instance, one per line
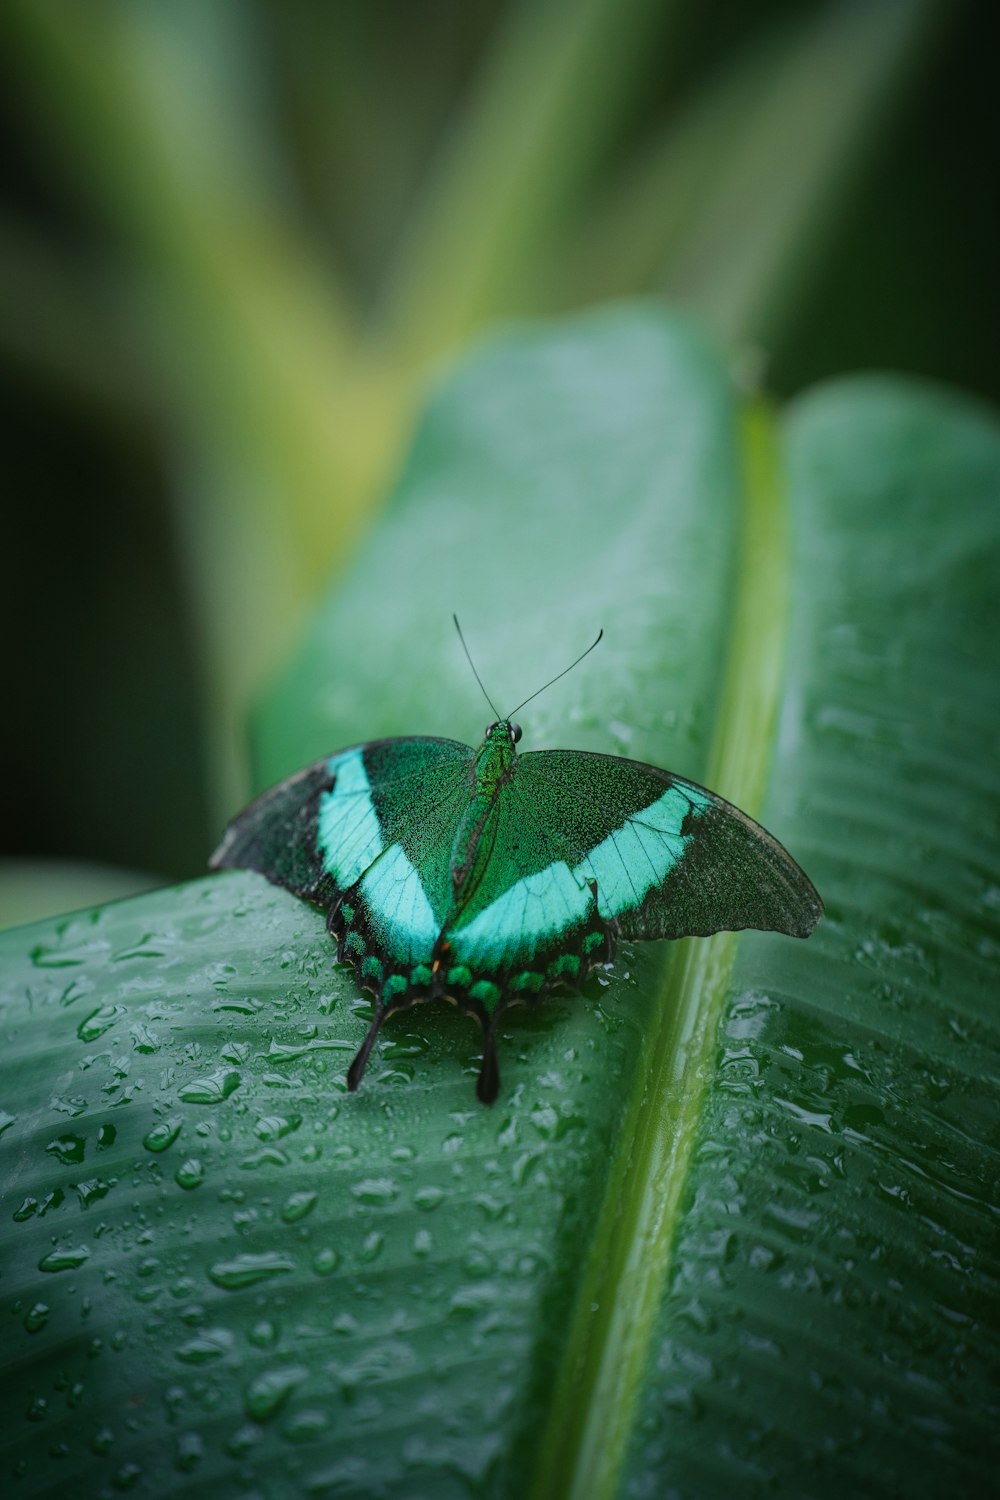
(276, 834)
(733, 875)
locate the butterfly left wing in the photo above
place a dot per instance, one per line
(669, 858)
(319, 831)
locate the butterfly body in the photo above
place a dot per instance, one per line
(487, 877)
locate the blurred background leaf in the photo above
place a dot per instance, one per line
(237, 239)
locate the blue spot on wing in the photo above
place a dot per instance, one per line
(348, 831)
(398, 908)
(533, 911)
(642, 852)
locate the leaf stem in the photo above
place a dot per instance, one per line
(607, 1349)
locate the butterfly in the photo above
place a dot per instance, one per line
(487, 877)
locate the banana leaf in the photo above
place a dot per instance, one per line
(731, 1226)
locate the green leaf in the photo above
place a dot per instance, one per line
(730, 1226)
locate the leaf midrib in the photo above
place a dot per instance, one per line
(591, 1414)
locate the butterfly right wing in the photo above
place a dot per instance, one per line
(668, 858)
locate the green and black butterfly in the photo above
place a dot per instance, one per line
(486, 877)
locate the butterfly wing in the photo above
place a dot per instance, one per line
(322, 831)
(669, 858)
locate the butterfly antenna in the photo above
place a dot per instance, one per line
(558, 674)
(473, 666)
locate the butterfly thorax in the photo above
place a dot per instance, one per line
(472, 844)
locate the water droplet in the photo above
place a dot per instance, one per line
(64, 1260)
(209, 1345)
(126, 1477)
(263, 1334)
(106, 1135)
(371, 1247)
(297, 1205)
(162, 1135)
(57, 958)
(98, 1022)
(37, 1410)
(273, 1127)
(247, 1270)
(92, 1191)
(290, 1051)
(478, 1262)
(212, 1089)
(243, 1007)
(491, 1207)
(271, 1156)
(475, 1298)
(429, 1197)
(101, 1442)
(68, 1148)
(305, 1426)
(190, 1174)
(524, 1166)
(423, 1242)
(242, 1441)
(401, 1046)
(77, 1105)
(144, 1040)
(325, 1262)
(375, 1190)
(267, 1392)
(190, 1449)
(6, 1120)
(36, 1317)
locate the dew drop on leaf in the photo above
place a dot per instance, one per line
(209, 1345)
(297, 1205)
(212, 1089)
(190, 1174)
(248, 1269)
(161, 1136)
(98, 1022)
(64, 1260)
(67, 1148)
(429, 1197)
(36, 1317)
(267, 1392)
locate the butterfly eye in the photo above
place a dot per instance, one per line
(490, 727)
(515, 730)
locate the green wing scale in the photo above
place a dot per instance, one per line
(485, 877)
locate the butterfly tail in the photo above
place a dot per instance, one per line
(488, 1084)
(356, 1071)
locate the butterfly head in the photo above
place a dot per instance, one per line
(503, 731)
